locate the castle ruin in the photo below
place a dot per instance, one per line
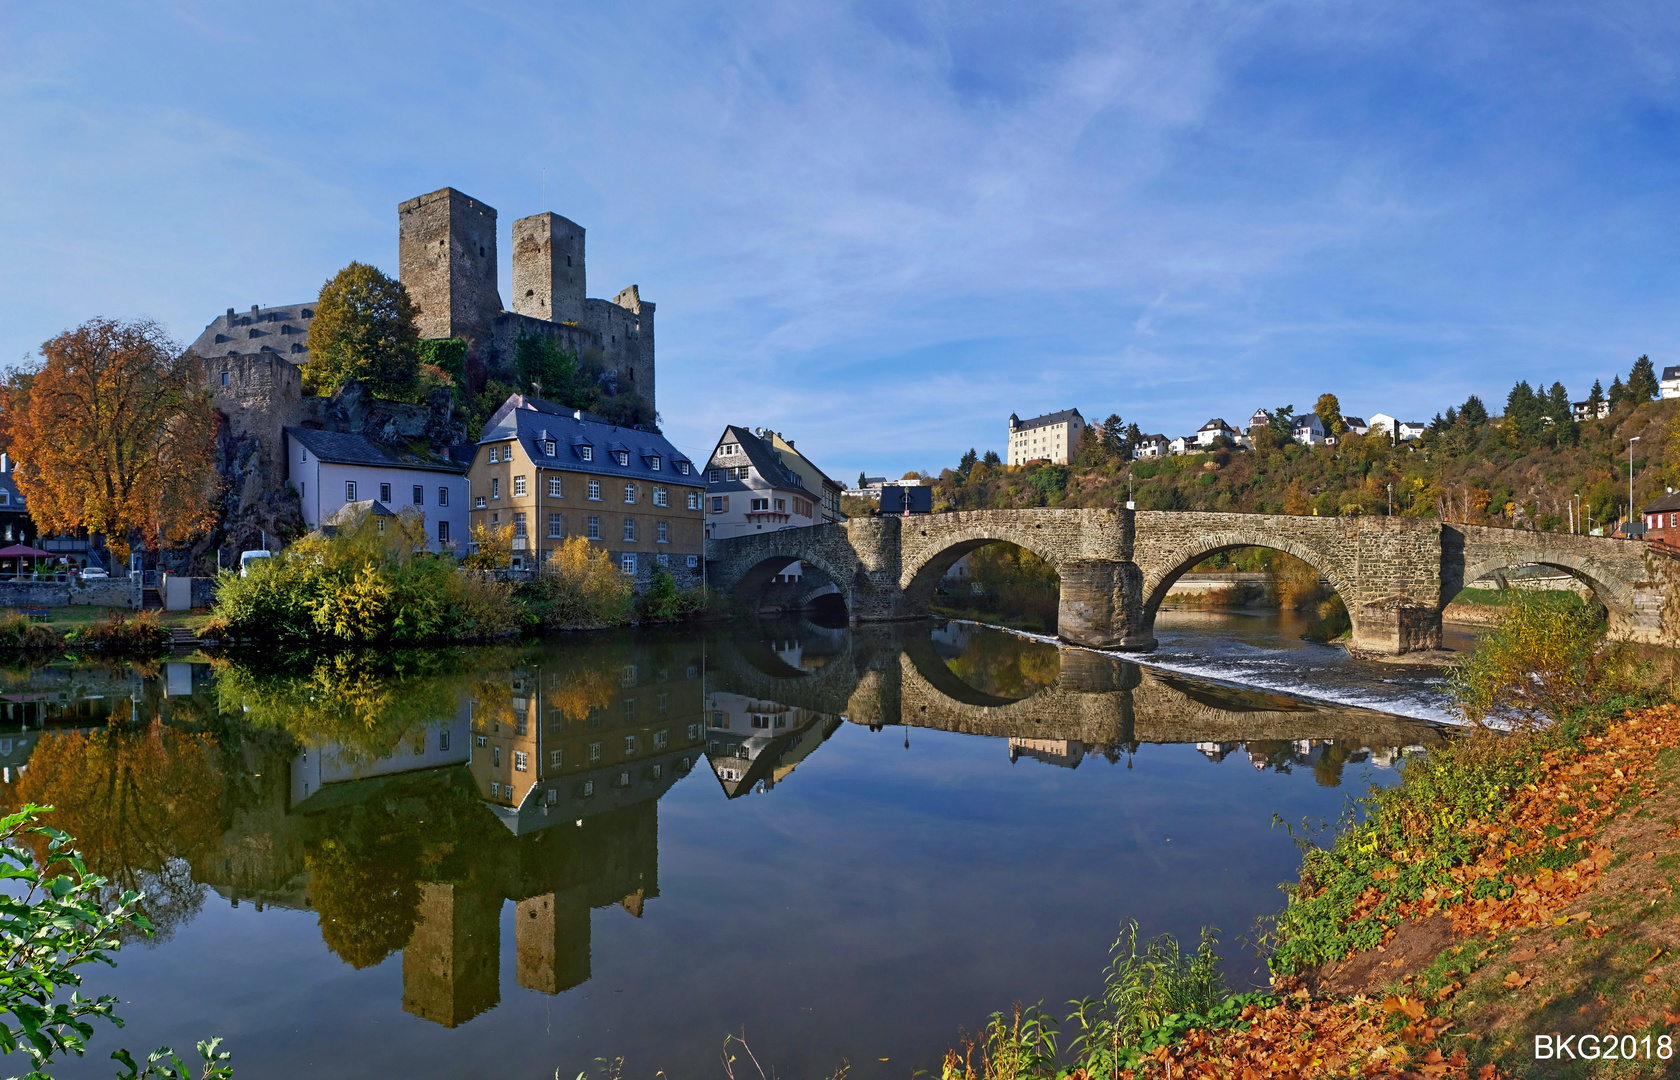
(446, 251)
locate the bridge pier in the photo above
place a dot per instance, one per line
(1102, 605)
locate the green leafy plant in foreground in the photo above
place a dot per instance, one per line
(59, 924)
(1151, 996)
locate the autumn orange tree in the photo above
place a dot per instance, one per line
(115, 434)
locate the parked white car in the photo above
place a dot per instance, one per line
(246, 558)
(94, 573)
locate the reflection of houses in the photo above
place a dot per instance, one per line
(753, 743)
(1216, 751)
(424, 746)
(1063, 752)
(533, 760)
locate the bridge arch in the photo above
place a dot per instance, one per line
(933, 560)
(1175, 562)
(751, 581)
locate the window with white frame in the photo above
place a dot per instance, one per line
(629, 744)
(663, 532)
(661, 497)
(554, 525)
(519, 524)
(495, 454)
(594, 527)
(443, 532)
(621, 456)
(518, 487)
(594, 752)
(653, 463)
(630, 529)
(521, 763)
(554, 490)
(384, 493)
(627, 563)
(629, 493)
(548, 448)
(715, 476)
(419, 495)
(349, 491)
(693, 562)
(587, 453)
(694, 500)
(443, 495)
(720, 503)
(682, 467)
(594, 491)
(495, 487)
(760, 504)
(662, 559)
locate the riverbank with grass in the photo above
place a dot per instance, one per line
(1507, 909)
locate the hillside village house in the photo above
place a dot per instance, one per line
(330, 469)
(1181, 445)
(1309, 430)
(1051, 437)
(1668, 386)
(1150, 446)
(552, 473)
(1213, 430)
(1356, 424)
(1579, 410)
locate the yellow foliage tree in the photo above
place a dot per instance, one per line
(492, 548)
(582, 586)
(115, 434)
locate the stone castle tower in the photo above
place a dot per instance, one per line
(447, 260)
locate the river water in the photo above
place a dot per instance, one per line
(849, 844)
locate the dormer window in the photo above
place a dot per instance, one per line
(623, 456)
(682, 467)
(653, 463)
(548, 448)
(587, 452)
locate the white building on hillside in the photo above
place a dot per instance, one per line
(1669, 387)
(1052, 437)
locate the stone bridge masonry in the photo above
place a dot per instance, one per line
(1394, 574)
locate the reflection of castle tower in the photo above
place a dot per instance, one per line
(451, 966)
(551, 940)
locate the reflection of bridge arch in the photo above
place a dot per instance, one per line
(886, 676)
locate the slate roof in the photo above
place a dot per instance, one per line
(535, 422)
(352, 512)
(1217, 424)
(1050, 418)
(1663, 504)
(1670, 374)
(283, 330)
(761, 456)
(343, 448)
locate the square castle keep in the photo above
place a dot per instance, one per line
(446, 250)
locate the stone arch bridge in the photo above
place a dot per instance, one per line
(1394, 574)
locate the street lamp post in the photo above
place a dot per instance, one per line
(1627, 530)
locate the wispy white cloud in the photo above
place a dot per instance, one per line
(884, 227)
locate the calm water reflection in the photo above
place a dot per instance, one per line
(852, 843)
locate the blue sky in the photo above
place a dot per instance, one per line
(881, 228)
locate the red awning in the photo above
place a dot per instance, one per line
(25, 550)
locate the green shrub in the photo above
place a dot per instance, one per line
(664, 602)
(366, 585)
(119, 635)
(20, 633)
(1539, 663)
(580, 586)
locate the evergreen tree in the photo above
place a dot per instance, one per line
(1557, 404)
(1134, 439)
(967, 463)
(1474, 412)
(992, 460)
(1282, 421)
(863, 481)
(1642, 382)
(1523, 412)
(1595, 399)
(1618, 392)
(1439, 424)
(1452, 416)
(1114, 436)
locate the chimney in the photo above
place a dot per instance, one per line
(230, 314)
(255, 307)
